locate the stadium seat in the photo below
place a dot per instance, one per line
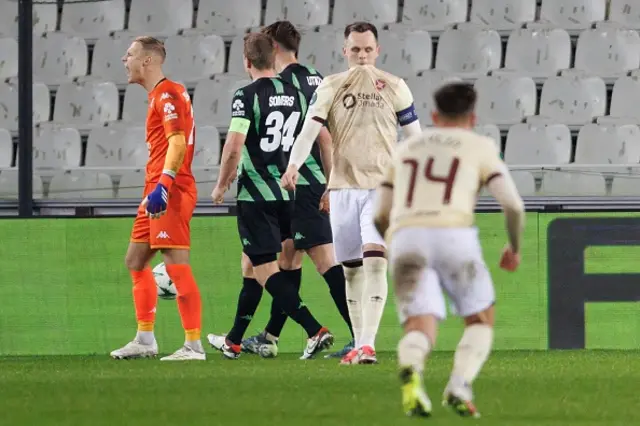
(107, 60)
(131, 184)
(135, 106)
(117, 147)
(59, 58)
(571, 100)
(377, 12)
(434, 15)
(608, 144)
(529, 144)
(206, 179)
(207, 147)
(6, 149)
(9, 106)
(308, 13)
(236, 50)
(505, 99)
(422, 88)
(491, 131)
(159, 18)
(323, 50)
(45, 17)
(570, 14)
(190, 58)
(80, 184)
(92, 20)
(469, 52)
(212, 99)
(625, 13)
(503, 14)
(56, 147)
(537, 53)
(525, 182)
(624, 102)
(404, 54)
(8, 58)
(9, 185)
(226, 18)
(607, 52)
(623, 184)
(86, 105)
(573, 183)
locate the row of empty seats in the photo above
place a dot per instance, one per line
(526, 144)
(169, 17)
(504, 99)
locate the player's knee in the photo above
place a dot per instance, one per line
(134, 263)
(290, 259)
(246, 266)
(486, 317)
(406, 271)
(322, 257)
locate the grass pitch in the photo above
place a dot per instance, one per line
(516, 388)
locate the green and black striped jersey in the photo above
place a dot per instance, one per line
(307, 79)
(270, 112)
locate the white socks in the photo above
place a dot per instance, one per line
(413, 350)
(374, 298)
(472, 352)
(354, 278)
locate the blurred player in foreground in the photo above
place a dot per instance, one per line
(363, 107)
(426, 209)
(310, 227)
(266, 117)
(165, 213)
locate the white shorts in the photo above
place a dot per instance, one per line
(453, 265)
(352, 222)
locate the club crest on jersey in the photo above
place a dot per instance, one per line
(169, 112)
(238, 108)
(380, 84)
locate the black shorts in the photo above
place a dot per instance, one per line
(263, 226)
(310, 227)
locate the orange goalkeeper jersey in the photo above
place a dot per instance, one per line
(170, 112)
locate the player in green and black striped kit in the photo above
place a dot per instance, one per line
(311, 228)
(266, 117)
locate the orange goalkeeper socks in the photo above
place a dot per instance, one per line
(189, 303)
(145, 297)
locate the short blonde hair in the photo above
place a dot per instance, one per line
(152, 45)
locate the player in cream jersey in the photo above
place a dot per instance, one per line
(426, 209)
(362, 108)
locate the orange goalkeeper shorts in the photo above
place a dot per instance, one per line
(171, 230)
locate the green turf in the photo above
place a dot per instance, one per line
(516, 388)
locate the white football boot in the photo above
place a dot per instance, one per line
(321, 341)
(135, 349)
(220, 343)
(186, 353)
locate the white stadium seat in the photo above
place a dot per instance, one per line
(491, 131)
(6, 149)
(117, 147)
(93, 19)
(9, 185)
(505, 99)
(572, 100)
(375, 11)
(537, 53)
(191, 58)
(538, 144)
(9, 106)
(159, 17)
(525, 182)
(107, 60)
(206, 178)
(136, 104)
(212, 99)
(626, 13)
(624, 102)
(323, 51)
(607, 52)
(87, 104)
(503, 14)
(434, 15)
(8, 58)
(570, 14)
(308, 13)
(602, 144)
(56, 147)
(80, 184)
(422, 87)
(207, 152)
(59, 58)
(225, 17)
(576, 183)
(131, 184)
(45, 17)
(469, 52)
(404, 53)
(623, 184)
(236, 65)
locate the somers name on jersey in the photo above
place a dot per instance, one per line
(281, 100)
(366, 100)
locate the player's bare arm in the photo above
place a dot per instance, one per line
(231, 154)
(325, 144)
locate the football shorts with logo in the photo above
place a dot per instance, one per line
(171, 230)
(310, 227)
(263, 226)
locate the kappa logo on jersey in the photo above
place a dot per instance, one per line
(169, 112)
(313, 80)
(238, 108)
(165, 95)
(380, 84)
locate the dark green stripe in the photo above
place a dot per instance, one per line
(247, 191)
(250, 172)
(278, 85)
(273, 170)
(311, 70)
(295, 81)
(257, 115)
